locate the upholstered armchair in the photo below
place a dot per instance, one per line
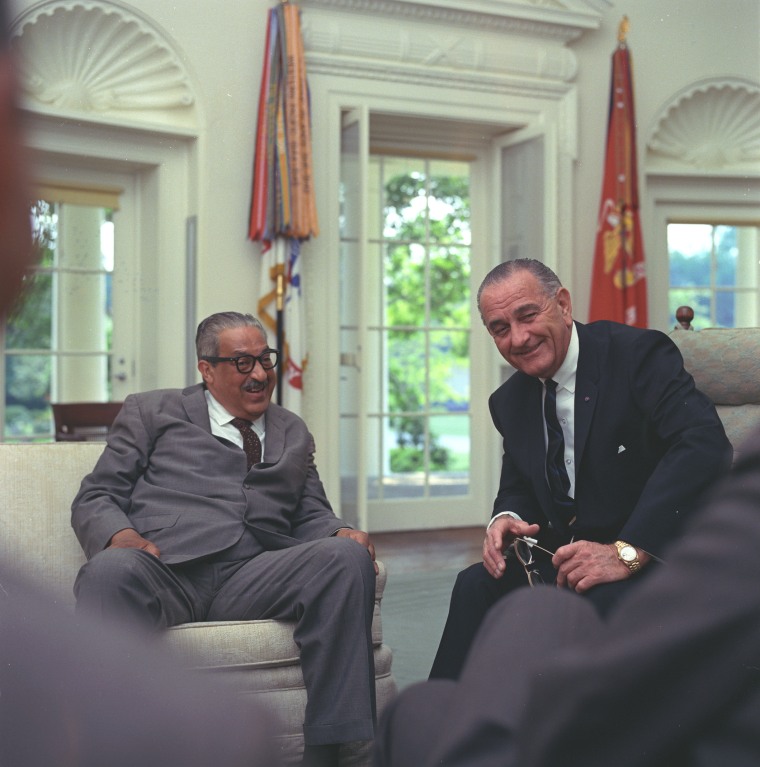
(256, 657)
(725, 363)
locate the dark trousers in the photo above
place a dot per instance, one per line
(476, 592)
(472, 722)
(326, 586)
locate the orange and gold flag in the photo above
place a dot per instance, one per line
(619, 288)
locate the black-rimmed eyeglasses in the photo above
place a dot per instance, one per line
(523, 548)
(245, 363)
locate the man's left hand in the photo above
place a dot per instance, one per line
(360, 537)
(584, 564)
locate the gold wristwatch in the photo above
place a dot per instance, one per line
(628, 556)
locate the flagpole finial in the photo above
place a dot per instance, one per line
(623, 30)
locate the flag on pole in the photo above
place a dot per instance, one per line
(283, 206)
(618, 288)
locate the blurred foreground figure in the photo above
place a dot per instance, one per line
(15, 232)
(75, 693)
(671, 678)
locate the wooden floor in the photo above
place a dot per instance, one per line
(425, 550)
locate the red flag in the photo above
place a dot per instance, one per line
(619, 288)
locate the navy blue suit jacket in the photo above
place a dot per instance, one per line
(647, 441)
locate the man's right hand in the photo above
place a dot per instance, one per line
(499, 536)
(129, 538)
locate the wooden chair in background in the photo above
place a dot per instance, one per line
(83, 421)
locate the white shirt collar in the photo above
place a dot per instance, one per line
(565, 376)
(220, 416)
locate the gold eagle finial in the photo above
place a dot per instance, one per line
(623, 30)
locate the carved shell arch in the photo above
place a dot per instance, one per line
(713, 125)
(98, 58)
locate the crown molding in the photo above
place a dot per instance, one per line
(563, 21)
(515, 47)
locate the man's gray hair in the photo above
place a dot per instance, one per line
(546, 278)
(207, 336)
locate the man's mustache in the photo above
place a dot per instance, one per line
(255, 386)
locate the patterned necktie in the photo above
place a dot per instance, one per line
(251, 442)
(556, 473)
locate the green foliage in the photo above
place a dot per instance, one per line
(428, 221)
(411, 459)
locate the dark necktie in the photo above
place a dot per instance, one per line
(556, 473)
(251, 442)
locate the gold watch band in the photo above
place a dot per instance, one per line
(633, 563)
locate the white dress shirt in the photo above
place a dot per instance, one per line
(565, 378)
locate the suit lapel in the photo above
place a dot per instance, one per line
(586, 389)
(196, 407)
(275, 435)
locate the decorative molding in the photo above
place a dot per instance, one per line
(416, 74)
(562, 20)
(713, 125)
(433, 42)
(95, 57)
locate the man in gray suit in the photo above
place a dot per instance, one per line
(206, 505)
(69, 691)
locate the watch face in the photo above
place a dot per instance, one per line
(628, 553)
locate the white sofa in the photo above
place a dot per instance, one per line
(257, 657)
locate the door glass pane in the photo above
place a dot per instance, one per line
(58, 339)
(426, 281)
(28, 380)
(31, 324)
(406, 371)
(405, 199)
(405, 275)
(450, 286)
(450, 459)
(449, 371)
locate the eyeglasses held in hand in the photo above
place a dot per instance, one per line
(245, 363)
(523, 548)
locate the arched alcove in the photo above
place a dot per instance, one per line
(702, 165)
(107, 98)
(103, 61)
(710, 127)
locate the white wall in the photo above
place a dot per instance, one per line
(674, 43)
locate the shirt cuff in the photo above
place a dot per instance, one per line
(503, 514)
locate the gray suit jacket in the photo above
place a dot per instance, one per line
(166, 475)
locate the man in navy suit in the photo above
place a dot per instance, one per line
(635, 444)
(670, 677)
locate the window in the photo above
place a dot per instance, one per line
(714, 270)
(57, 341)
(423, 244)
(411, 322)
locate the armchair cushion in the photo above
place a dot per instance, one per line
(725, 363)
(256, 657)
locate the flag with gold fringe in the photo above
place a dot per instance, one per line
(619, 288)
(283, 207)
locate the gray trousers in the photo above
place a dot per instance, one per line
(327, 586)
